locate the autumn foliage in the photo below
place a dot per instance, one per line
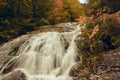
(20, 16)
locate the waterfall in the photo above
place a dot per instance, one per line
(48, 56)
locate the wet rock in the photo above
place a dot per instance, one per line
(8, 51)
(15, 75)
(109, 68)
(105, 66)
(79, 72)
(13, 45)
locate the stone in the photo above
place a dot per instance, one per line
(15, 75)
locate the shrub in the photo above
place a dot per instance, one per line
(107, 37)
(44, 21)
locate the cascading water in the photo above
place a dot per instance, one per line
(48, 56)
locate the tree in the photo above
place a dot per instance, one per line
(41, 8)
(97, 7)
(74, 8)
(66, 11)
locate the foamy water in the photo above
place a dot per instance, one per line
(48, 56)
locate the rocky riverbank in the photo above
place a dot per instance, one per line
(105, 66)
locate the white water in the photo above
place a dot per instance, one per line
(48, 56)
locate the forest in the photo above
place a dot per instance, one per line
(18, 17)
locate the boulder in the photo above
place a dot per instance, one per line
(105, 66)
(15, 75)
